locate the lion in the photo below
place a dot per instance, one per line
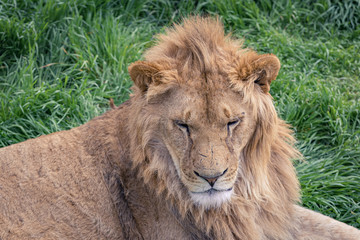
(197, 152)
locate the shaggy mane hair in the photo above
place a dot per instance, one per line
(266, 187)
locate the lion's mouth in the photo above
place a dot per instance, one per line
(212, 197)
(213, 191)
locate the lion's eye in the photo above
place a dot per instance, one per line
(232, 124)
(182, 125)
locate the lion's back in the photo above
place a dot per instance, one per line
(50, 188)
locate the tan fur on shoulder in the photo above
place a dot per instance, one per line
(198, 152)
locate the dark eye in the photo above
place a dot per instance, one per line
(182, 125)
(232, 124)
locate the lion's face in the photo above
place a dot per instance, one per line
(201, 99)
(205, 136)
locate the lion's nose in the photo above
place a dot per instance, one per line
(210, 179)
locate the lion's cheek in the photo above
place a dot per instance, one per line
(242, 137)
(175, 144)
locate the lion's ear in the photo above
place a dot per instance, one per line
(260, 69)
(143, 74)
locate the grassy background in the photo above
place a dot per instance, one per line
(61, 61)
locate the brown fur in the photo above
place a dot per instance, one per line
(129, 174)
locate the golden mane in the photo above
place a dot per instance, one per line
(267, 187)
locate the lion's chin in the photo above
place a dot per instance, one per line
(211, 198)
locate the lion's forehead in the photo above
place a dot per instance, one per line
(217, 106)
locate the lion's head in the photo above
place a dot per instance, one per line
(207, 132)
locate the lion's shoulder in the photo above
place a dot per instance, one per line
(60, 180)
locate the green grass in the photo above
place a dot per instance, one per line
(61, 61)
